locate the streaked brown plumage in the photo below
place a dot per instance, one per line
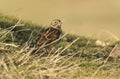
(51, 34)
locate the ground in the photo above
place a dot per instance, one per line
(75, 57)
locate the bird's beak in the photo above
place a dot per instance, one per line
(60, 24)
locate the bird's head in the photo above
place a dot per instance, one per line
(56, 23)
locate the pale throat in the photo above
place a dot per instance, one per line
(56, 26)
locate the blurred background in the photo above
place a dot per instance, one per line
(96, 18)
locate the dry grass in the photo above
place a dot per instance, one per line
(16, 62)
(19, 63)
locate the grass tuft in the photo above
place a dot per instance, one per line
(75, 57)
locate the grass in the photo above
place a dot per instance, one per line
(75, 57)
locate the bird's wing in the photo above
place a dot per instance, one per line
(53, 34)
(42, 38)
(49, 35)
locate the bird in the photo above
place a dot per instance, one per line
(49, 35)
